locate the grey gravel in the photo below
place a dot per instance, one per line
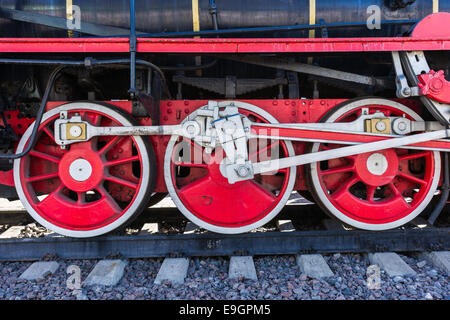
(207, 278)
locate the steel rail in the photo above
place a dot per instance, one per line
(211, 244)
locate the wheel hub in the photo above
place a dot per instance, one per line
(377, 168)
(80, 170)
(377, 164)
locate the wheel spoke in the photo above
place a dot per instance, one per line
(412, 178)
(370, 193)
(110, 144)
(97, 120)
(121, 161)
(109, 201)
(344, 188)
(81, 198)
(341, 169)
(49, 133)
(414, 156)
(121, 181)
(44, 156)
(42, 177)
(394, 190)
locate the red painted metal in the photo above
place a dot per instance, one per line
(432, 26)
(234, 46)
(376, 199)
(435, 86)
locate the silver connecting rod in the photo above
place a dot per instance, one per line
(274, 165)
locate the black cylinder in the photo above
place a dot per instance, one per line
(177, 15)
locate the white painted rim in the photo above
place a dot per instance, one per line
(355, 223)
(131, 210)
(227, 230)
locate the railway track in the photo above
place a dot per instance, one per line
(160, 232)
(313, 247)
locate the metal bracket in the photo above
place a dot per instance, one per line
(403, 89)
(415, 65)
(435, 86)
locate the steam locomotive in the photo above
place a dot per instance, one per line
(227, 106)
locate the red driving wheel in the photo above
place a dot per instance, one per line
(377, 190)
(204, 195)
(88, 188)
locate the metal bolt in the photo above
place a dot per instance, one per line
(243, 171)
(75, 131)
(380, 126)
(402, 126)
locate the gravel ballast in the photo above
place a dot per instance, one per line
(278, 278)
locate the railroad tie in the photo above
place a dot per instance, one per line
(39, 270)
(106, 273)
(285, 226)
(440, 259)
(391, 263)
(314, 266)
(149, 228)
(242, 267)
(173, 270)
(12, 232)
(190, 228)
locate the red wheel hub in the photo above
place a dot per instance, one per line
(377, 168)
(81, 169)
